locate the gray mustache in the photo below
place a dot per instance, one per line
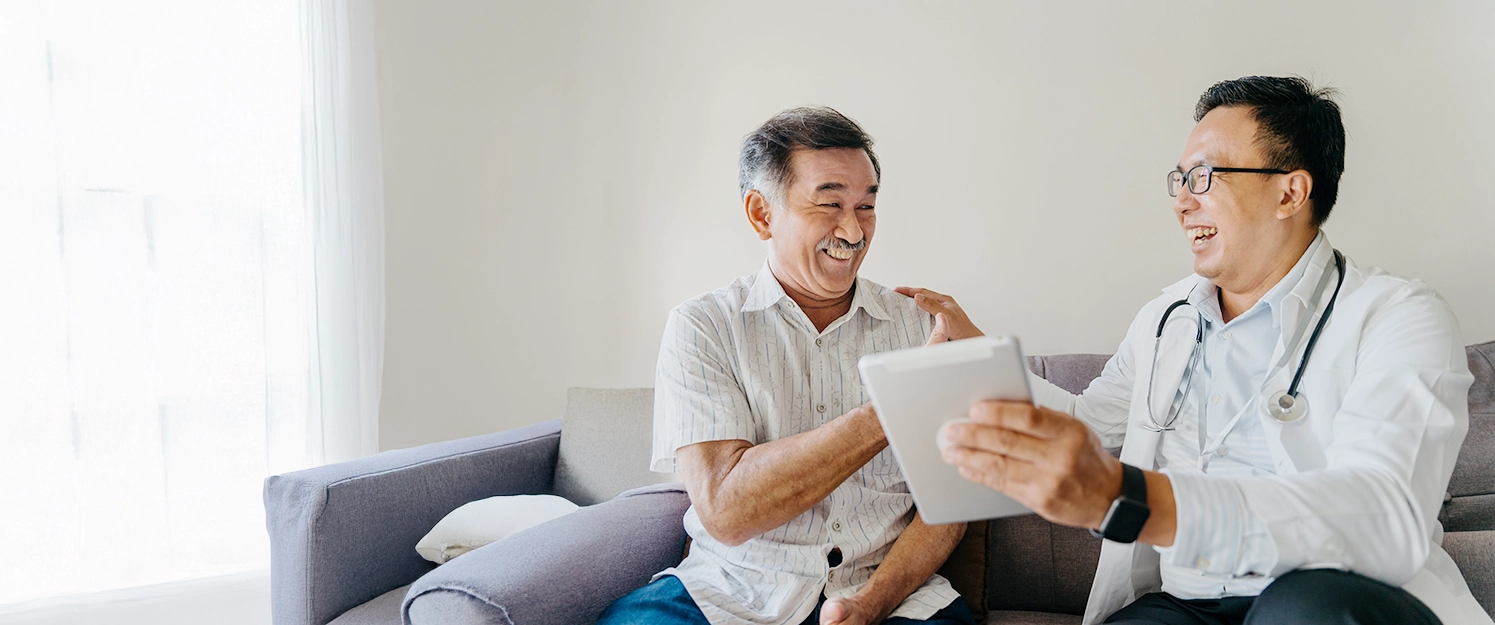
(838, 243)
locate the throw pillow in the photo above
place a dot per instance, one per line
(488, 520)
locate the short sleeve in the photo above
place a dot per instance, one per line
(698, 396)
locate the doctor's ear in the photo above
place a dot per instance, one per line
(758, 213)
(1297, 188)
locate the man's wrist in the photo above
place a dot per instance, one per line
(1128, 513)
(1107, 496)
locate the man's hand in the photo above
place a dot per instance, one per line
(939, 304)
(847, 611)
(941, 332)
(1047, 460)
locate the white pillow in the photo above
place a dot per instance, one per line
(484, 521)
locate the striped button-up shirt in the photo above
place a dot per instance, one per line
(744, 363)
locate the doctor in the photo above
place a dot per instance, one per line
(1288, 420)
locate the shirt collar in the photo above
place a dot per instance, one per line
(767, 292)
(1291, 291)
(1293, 285)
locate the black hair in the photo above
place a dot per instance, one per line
(1299, 127)
(764, 161)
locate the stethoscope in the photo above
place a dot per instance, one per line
(1284, 406)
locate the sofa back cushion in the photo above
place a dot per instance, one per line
(607, 436)
(1472, 506)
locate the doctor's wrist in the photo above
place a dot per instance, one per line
(1105, 496)
(1162, 524)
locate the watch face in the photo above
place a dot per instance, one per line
(1126, 520)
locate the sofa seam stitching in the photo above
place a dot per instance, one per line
(405, 607)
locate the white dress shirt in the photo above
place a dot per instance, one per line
(1356, 484)
(744, 363)
(1235, 360)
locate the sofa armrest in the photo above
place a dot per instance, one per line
(345, 533)
(567, 570)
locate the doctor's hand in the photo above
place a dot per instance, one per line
(941, 332)
(1047, 460)
(937, 304)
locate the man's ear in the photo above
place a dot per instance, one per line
(757, 213)
(1296, 187)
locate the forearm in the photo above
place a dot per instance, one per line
(765, 486)
(1162, 522)
(916, 555)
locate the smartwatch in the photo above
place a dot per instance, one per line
(1129, 510)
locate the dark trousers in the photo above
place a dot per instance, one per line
(1299, 598)
(665, 602)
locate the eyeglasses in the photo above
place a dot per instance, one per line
(1200, 177)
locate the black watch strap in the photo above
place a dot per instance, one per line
(1129, 511)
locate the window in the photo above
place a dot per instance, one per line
(158, 289)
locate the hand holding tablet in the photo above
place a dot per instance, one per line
(916, 391)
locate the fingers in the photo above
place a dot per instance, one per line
(1004, 442)
(833, 612)
(1021, 417)
(995, 471)
(929, 304)
(913, 291)
(941, 331)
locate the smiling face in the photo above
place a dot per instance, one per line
(819, 233)
(1249, 229)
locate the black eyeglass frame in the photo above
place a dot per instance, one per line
(1185, 177)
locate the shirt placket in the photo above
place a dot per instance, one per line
(827, 406)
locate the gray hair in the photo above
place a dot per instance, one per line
(764, 164)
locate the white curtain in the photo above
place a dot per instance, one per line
(344, 189)
(191, 279)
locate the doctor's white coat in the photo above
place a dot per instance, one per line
(1360, 479)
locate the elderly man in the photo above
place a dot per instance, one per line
(799, 511)
(1288, 420)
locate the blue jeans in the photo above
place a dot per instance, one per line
(665, 602)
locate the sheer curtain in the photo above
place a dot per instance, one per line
(191, 279)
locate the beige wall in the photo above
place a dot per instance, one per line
(558, 175)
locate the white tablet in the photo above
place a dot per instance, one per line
(917, 390)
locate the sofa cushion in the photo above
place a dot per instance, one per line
(564, 571)
(1020, 617)
(1474, 552)
(1071, 372)
(1474, 474)
(1037, 565)
(606, 439)
(381, 610)
(967, 568)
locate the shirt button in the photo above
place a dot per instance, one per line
(820, 408)
(1201, 563)
(817, 342)
(1223, 451)
(833, 576)
(836, 526)
(791, 304)
(1225, 335)
(1214, 400)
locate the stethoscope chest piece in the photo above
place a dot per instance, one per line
(1287, 408)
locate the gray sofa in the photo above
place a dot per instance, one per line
(343, 536)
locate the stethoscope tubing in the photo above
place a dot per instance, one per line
(1292, 390)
